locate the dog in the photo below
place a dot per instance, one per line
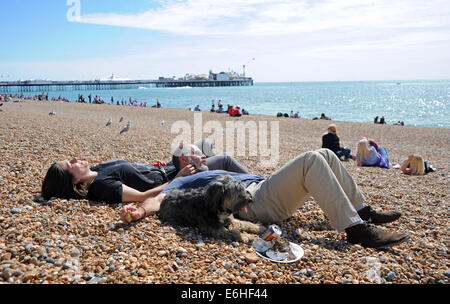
(211, 209)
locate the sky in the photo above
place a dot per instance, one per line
(276, 40)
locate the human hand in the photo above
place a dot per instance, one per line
(130, 213)
(186, 171)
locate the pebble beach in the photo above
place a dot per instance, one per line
(84, 242)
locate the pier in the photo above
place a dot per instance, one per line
(46, 86)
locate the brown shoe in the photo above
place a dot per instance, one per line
(375, 217)
(371, 236)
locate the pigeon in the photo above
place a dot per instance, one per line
(1, 104)
(109, 122)
(126, 128)
(162, 123)
(52, 113)
(121, 119)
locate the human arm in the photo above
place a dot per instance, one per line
(132, 195)
(150, 206)
(405, 166)
(358, 162)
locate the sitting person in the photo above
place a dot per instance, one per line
(415, 165)
(316, 173)
(120, 181)
(229, 109)
(368, 155)
(330, 140)
(323, 116)
(235, 112)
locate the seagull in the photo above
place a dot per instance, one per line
(121, 118)
(52, 113)
(109, 122)
(127, 127)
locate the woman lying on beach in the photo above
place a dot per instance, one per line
(369, 153)
(415, 165)
(120, 181)
(319, 174)
(330, 140)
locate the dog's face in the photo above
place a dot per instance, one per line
(228, 194)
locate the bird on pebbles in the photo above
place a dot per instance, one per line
(52, 113)
(109, 122)
(121, 119)
(126, 128)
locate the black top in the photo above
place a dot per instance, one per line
(331, 141)
(107, 186)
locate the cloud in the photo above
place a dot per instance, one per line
(290, 39)
(280, 17)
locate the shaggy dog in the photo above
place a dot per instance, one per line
(210, 209)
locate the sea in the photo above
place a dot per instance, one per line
(422, 103)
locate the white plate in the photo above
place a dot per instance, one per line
(296, 250)
(260, 245)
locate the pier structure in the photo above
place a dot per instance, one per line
(46, 86)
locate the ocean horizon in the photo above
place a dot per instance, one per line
(422, 103)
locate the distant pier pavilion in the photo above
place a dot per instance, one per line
(46, 86)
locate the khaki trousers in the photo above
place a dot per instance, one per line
(319, 174)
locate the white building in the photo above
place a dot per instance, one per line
(222, 76)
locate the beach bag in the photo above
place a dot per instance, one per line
(428, 168)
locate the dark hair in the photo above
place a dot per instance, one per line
(176, 162)
(58, 182)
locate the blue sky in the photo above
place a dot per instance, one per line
(291, 40)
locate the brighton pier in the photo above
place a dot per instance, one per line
(45, 86)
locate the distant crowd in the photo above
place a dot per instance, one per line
(233, 111)
(8, 97)
(377, 120)
(123, 102)
(81, 99)
(296, 115)
(383, 122)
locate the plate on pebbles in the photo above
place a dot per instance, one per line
(264, 250)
